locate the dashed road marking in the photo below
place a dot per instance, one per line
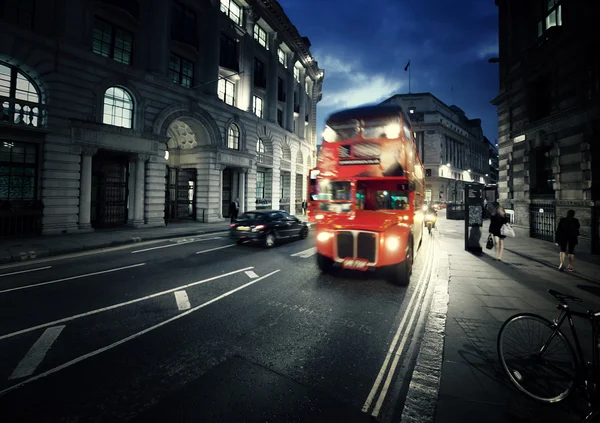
(36, 353)
(18, 288)
(214, 249)
(251, 274)
(183, 302)
(306, 253)
(26, 271)
(176, 244)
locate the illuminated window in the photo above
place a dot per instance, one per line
(297, 74)
(260, 184)
(181, 71)
(118, 108)
(553, 16)
(260, 147)
(112, 42)
(226, 91)
(232, 10)
(282, 57)
(18, 171)
(17, 86)
(233, 137)
(260, 35)
(257, 106)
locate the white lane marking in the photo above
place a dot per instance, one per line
(26, 271)
(183, 302)
(98, 251)
(35, 285)
(36, 353)
(398, 354)
(306, 253)
(214, 249)
(177, 244)
(137, 300)
(392, 348)
(135, 335)
(251, 274)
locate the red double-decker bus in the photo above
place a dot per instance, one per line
(370, 192)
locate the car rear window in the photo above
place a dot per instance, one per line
(252, 216)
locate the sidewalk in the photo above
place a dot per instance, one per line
(19, 249)
(483, 293)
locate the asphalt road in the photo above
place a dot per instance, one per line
(201, 329)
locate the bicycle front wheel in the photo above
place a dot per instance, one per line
(537, 357)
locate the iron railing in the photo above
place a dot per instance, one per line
(21, 112)
(542, 219)
(21, 218)
(264, 159)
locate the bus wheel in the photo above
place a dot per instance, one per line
(325, 263)
(402, 271)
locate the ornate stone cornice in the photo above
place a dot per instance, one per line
(88, 151)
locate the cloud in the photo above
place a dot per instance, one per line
(349, 85)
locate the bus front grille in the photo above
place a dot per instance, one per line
(345, 244)
(366, 246)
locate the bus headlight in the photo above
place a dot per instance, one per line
(319, 217)
(392, 243)
(324, 236)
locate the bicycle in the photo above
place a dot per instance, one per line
(572, 371)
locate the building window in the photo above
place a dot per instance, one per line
(260, 35)
(183, 25)
(19, 89)
(257, 106)
(228, 57)
(296, 74)
(553, 16)
(260, 76)
(118, 108)
(181, 71)
(282, 57)
(226, 91)
(280, 117)
(112, 42)
(19, 12)
(233, 137)
(18, 171)
(307, 86)
(428, 172)
(232, 10)
(281, 96)
(260, 184)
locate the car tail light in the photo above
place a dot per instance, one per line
(231, 225)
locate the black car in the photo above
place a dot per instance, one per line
(267, 227)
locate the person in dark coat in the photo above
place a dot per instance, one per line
(234, 208)
(566, 237)
(498, 219)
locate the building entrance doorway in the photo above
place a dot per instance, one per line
(109, 189)
(180, 196)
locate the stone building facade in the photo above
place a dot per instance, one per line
(123, 112)
(451, 146)
(549, 115)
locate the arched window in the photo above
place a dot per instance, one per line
(233, 137)
(21, 97)
(260, 147)
(118, 108)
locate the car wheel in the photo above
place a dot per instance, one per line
(269, 240)
(304, 232)
(325, 263)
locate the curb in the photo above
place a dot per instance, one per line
(46, 252)
(423, 391)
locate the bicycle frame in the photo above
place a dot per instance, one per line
(584, 370)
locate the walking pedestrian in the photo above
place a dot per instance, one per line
(497, 220)
(234, 208)
(566, 237)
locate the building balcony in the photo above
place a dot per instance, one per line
(264, 160)
(22, 113)
(299, 168)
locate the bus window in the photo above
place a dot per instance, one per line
(360, 199)
(332, 191)
(392, 200)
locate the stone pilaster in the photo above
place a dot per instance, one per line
(272, 75)
(85, 189)
(140, 188)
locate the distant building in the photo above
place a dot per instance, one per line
(493, 163)
(451, 146)
(549, 114)
(129, 112)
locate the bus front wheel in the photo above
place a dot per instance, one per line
(402, 271)
(325, 263)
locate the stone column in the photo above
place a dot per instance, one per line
(140, 174)
(242, 189)
(291, 85)
(211, 38)
(131, 190)
(302, 103)
(85, 189)
(246, 85)
(272, 75)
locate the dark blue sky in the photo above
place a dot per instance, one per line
(363, 45)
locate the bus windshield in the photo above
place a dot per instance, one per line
(337, 196)
(392, 200)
